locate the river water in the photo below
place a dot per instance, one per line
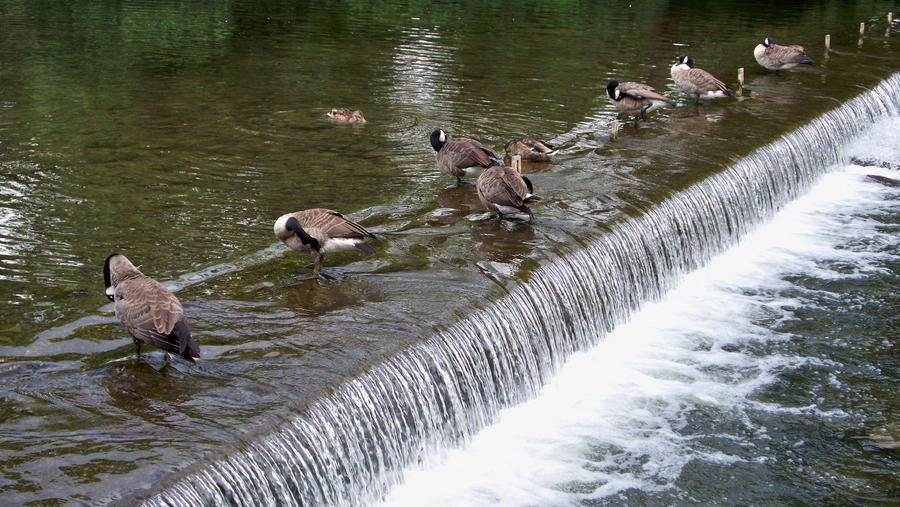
(176, 135)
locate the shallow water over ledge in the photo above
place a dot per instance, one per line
(176, 137)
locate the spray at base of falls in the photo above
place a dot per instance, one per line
(350, 447)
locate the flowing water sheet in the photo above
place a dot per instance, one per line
(725, 377)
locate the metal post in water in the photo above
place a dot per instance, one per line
(890, 18)
(614, 129)
(827, 41)
(517, 163)
(862, 28)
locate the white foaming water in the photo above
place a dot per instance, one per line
(611, 420)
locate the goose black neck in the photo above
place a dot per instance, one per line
(294, 225)
(611, 88)
(529, 185)
(436, 142)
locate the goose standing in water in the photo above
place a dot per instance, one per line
(504, 190)
(636, 99)
(344, 115)
(776, 57)
(320, 231)
(531, 149)
(462, 156)
(697, 82)
(148, 311)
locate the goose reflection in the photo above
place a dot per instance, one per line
(137, 388)
(772, 88)
(505, 241)
(312, 301)
(454, 204)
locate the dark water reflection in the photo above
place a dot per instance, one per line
(177, 133)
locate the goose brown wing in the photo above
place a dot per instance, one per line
(463, 152)
(641, 91)
(503, 186)
(332, 224)
(706, 81)
(153, 315)
(789, 54)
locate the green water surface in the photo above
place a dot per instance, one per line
(175, 133)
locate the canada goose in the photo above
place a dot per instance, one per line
(148, 311)
(461, 156)
(776, 57)
(697, 82)
(504, 190)
(344, 115)
(320, 231)
(531, 149)
(636, 98)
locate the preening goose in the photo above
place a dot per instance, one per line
(697, 82)
(530, 148)
(776, 57)
(148, 311)
(461, 156)
(504, 190)
(636, 99)
(344, 115)
(320, 231)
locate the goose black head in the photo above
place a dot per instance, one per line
(686, 60)
(438, 138)
(611, 89)
(768, 42)
(107, 277)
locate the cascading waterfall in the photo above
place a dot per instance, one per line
(350, 447)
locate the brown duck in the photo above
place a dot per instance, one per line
(344, 115)
(530, 148)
